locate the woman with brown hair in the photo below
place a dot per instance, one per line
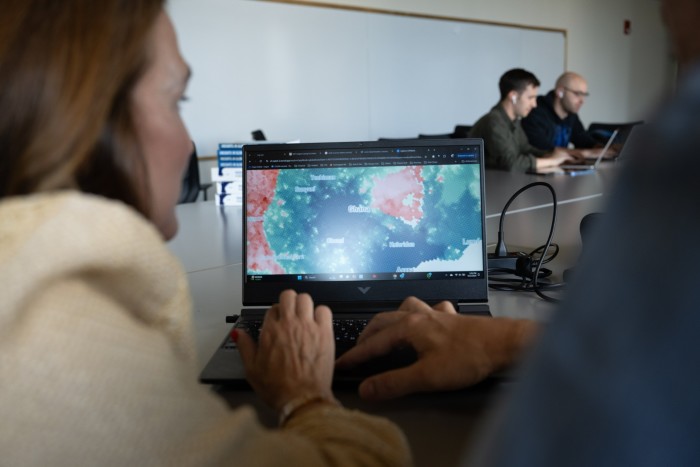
(96, 357)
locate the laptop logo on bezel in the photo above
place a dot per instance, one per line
(364, 290)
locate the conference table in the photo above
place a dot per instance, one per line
(439, 427)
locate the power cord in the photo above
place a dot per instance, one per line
(527, 267)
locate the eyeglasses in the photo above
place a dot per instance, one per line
(577, 93)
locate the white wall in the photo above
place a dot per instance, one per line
(626, 73)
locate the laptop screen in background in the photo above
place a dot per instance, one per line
(363, 214)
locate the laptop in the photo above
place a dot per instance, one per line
(633, 142)
(580, 168)
(359, 226)
(602, 131)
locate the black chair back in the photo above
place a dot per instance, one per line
(461, 131)
(435, 136)
(190, 182)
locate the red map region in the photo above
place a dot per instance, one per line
(400, 194)
(261, 191)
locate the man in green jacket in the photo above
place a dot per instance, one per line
(506, 146)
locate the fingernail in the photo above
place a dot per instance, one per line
(234, 334)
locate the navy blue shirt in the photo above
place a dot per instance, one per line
(546, 130)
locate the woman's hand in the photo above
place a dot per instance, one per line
(294, 356)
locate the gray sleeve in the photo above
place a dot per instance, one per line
(614, 379)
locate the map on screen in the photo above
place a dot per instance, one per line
(364, 220)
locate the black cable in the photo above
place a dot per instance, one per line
(547, 244)
(528, 283)
(549, 258)
(523, 286)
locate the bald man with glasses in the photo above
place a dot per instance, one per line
(555, 123)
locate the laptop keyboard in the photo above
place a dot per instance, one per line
(345, 331)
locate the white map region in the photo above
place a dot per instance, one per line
(471, 260)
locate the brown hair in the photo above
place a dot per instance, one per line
(517, 80)
(66, 76)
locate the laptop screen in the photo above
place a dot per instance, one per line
(365, 221)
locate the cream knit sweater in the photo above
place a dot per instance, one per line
(96, 356)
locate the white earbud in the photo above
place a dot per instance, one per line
(513, 99)
(561, 95)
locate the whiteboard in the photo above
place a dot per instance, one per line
(310, 73)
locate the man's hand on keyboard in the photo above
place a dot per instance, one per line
(454, 351)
